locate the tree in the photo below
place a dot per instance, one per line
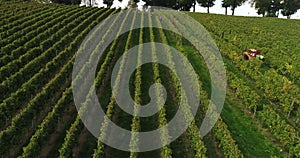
(226, 4)
(66, 1)
(109, 3)
(183, 5)
(268, 8)
(133, 3)
(274, 7)
(235, 3)
(261, 6)
(206, 3)
(73, 2)
(290, 7)
(194, 5)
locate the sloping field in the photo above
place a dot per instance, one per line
(38, 117)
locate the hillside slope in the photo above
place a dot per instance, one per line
(38, 117)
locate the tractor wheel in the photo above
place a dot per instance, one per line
(246, 57)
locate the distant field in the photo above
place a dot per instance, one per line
(38, 118)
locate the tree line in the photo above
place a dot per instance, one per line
(269, 8)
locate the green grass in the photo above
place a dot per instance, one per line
(252, 141)
(249, 137)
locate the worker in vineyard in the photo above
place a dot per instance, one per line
(160, 18)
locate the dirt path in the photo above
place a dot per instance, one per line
(47, 148)
(260, 125)
(30, 131)
(210, 138)
(83, 137)
(184, 136)
(249, 80)
(114, 118)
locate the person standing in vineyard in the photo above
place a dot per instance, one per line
(160, 18)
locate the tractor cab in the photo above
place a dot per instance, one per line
(252, 53)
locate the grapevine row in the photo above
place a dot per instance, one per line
(17, 128)
(166, 152)
(11, 11)
(135, 126)
(18, 57)
(27, 28)
(39, 37)
(73, 132)
(279, 128)
(99, 152)
(227, 144)
(277, 88)
(17, 20)
(40, 135)
(252, 100)
(283, 50)
(192, 131)
(48, 125)
(19, 97)
(64, 55)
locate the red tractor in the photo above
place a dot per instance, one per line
(253, 53)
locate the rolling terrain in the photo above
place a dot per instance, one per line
(38, 117)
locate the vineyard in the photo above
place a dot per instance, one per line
(38, 116)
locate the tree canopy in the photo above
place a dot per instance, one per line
(183, 5)
(290, 7)
(225, 4)
(206, 3)
(66, 1)
(109, 3)
(270, 8)
(236, 3)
